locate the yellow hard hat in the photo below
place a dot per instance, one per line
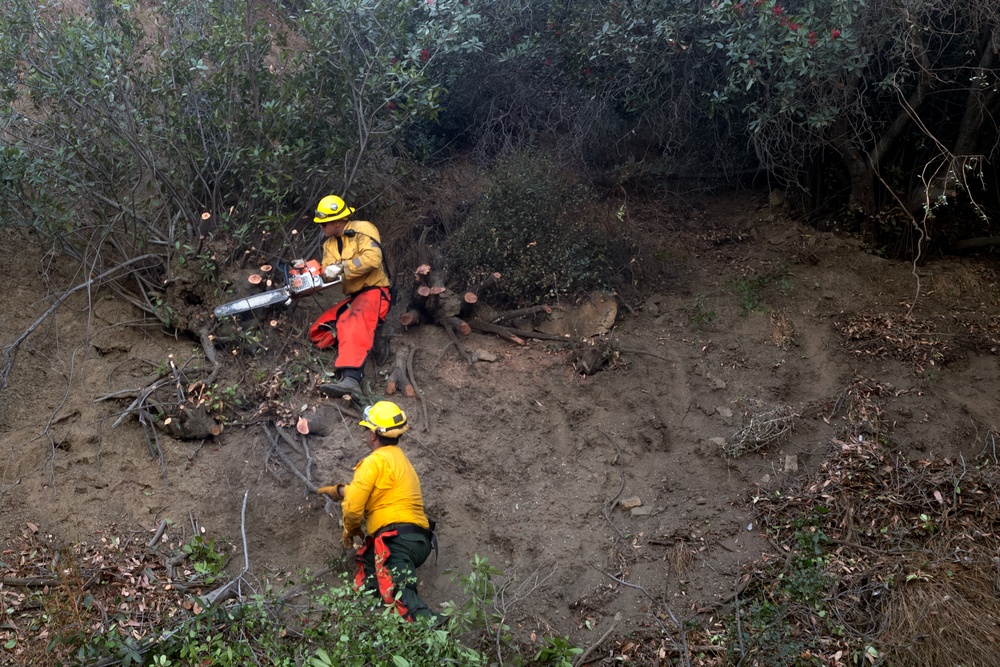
(385, 419)
(331, 208)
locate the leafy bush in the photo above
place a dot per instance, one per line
(546, 236)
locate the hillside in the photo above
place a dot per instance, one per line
(627, 491)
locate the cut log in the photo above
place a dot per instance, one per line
(410, 318)
(472, 295)
(459, 325)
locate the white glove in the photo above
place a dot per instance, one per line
(332, 271)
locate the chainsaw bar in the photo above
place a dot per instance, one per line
(261, 300)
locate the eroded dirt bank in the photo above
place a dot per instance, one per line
(522, 459)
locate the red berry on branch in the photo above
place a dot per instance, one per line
(835, 34)
(425, 55)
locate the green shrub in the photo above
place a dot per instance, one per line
(547, 237)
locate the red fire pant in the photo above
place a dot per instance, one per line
(387, 565)
(350, 326)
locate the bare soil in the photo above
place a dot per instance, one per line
(522, 459)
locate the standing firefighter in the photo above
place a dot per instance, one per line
(385, 496)
(352, 249)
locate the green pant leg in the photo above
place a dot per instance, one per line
(406, 554)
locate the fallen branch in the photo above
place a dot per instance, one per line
(610, 503)
(288, 464)
(159, 533)
(521, 312)
(503, 332)
(450, 329)
(10, 351)
(416, 389)
(586, 654)
(227, 591)
(682, 647)
(517, 335)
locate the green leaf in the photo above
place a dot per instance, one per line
(400, 661)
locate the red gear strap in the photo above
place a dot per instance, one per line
(383, 576)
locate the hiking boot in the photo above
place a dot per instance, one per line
(345, 385)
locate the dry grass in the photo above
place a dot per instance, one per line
(908, 551)
(680, 556)
(946, 617)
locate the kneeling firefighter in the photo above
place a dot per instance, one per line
(385, 495)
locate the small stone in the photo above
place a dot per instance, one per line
(483, 355)
(630, 503)
(700, 501)
(791, 463)
(718, 384)
(766, 479)
(718, 442)
(641, 511)
(724, 411)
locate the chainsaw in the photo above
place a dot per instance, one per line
(302, 278)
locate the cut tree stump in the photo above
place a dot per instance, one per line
(398, 378)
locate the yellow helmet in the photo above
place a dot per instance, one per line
(385, 419)
(330, 208)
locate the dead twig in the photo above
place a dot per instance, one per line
(586, 654)
(610, 503)
(681, 646)
(10, 351)
(416, 390)
(230, 589)
(521, 312)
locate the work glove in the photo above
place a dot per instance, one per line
(334, 491)
(332, 271)
(347, 541)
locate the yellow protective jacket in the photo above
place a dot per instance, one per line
(361, 256)
(385, 490)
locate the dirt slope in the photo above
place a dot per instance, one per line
(523, 460)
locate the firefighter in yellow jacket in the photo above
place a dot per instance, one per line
(352, 249)
(384, 495)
